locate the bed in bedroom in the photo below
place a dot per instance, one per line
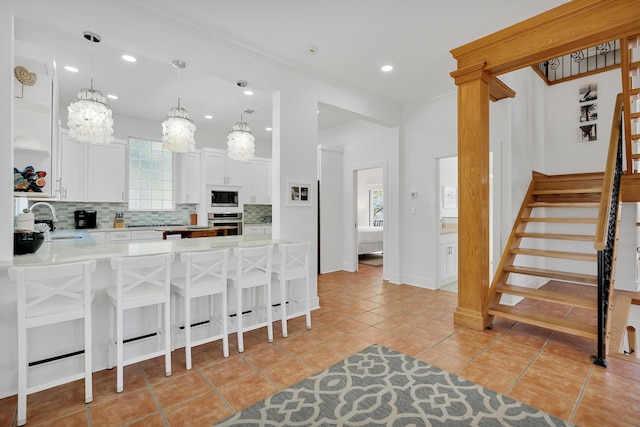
(369, 239)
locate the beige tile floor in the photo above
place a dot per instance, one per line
(548, 370)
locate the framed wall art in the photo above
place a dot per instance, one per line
(588, 112)
(299, 193)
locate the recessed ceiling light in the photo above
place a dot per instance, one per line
(248, 92)
(112, 96)
(268, 129)
(71, 69)
(386, 68)
(129, 58)
(311, 50)
(208, 116)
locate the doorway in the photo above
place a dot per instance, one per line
(370, 216)
(447, 227)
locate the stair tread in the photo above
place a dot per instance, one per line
(566, 220)
(538, 319)
(580, 256)
(591, 190)
(554, 274)
(557, 236)
(550, 296)
(548, 204)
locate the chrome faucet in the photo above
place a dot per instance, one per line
(53, 211)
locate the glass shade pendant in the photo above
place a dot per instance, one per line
(240, 144)
(178, 130)
(89, 117)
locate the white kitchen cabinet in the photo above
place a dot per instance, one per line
(250, 230)
(448, 258)
(72, 169)
(92, 172)
(105, 172)
(146, 235)
(219, 169)
(119, 236)
(98, 236)
(188, 178)
(257, 189)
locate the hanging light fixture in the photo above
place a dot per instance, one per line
(240, 144)
(89, 117)
(177, 129)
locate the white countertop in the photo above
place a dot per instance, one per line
(85, 248)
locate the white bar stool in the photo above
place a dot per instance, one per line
(252, 270)
(294, 264)
(205, 276)
(47, 295)
(140, 281)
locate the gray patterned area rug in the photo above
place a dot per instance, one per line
(381, 387)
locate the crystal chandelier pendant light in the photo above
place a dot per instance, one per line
(89, 117)
(240, 144)
(240, 141)
(177, 129)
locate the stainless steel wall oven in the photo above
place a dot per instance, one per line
(232, 221)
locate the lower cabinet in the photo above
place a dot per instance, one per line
(448, 254)
(146, 235)
(118, 236)
(256, 229)
(98, 236)
(125, 235)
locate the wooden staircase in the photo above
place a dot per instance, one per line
(557, 221)
(566, 233)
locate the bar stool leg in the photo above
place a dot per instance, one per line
(239, 317)
(187, 330)
(307, 302)
(283, 305)
(111, 347)
(22, 372)
(167, 339)
(269, 314)
(88, 374)
(119, 350)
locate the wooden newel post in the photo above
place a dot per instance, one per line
(473, 197)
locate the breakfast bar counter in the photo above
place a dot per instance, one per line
(72, 246)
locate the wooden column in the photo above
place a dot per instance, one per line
(473, 197)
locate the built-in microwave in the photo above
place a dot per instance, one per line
(224, 198)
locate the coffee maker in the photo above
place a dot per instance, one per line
(85, 219)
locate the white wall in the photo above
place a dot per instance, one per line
(331, 176)
(430, 132)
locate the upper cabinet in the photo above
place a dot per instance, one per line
(188, 178)
(92, 172)
(257, 189)
(221, 170)
(35, 117)
(106, 172)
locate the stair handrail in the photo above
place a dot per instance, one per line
(606, 230)
(615, 145)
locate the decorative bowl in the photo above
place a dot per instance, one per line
(26, 241)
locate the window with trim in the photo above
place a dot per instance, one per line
(376, 207)
(150, 176)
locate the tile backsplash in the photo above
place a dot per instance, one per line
(257, 214)
(107, 211)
